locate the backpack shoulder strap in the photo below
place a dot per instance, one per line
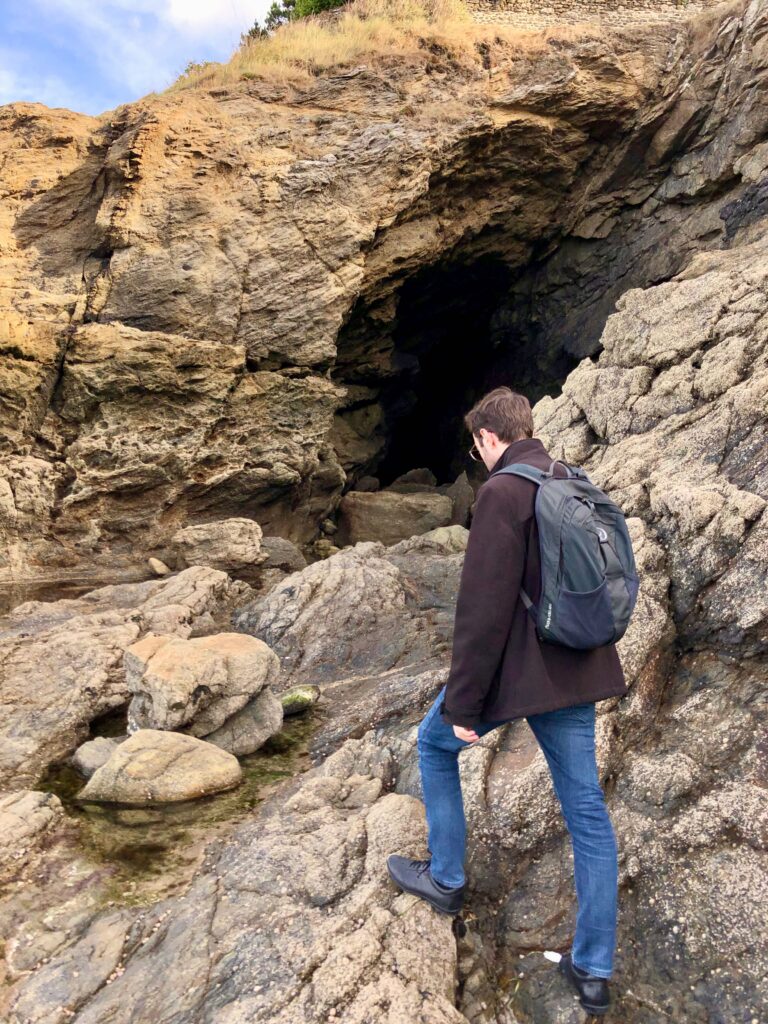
(536, 476)
(531, 473)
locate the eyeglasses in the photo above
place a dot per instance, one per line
(475, 454)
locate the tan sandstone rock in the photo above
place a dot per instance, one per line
(197, 683)
(61, 663)
(226, 545)
(155, 766)
(389, 516)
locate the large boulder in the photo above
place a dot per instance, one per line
(248, 729)
(155, 766)
(337, 616)
(388, 516)
(282, 554)
(61, 662)
(197, 683)
(229, 545)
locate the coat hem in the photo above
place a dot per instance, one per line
(534, 709)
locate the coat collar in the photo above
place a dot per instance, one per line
(517, 451)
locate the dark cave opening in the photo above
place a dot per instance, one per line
(521, 302)
(451, 340)
(444, 331)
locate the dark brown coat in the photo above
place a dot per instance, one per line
(499, 668)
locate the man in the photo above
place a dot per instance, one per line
(500, 671)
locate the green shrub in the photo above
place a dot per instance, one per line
(196, 69)
(305, 7)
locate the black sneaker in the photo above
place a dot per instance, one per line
(593, 991)
(415, 877)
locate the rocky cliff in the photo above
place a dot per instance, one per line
(234, 301)
(241, 301)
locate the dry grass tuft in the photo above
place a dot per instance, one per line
(340, 38)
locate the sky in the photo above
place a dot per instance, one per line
(92, 55)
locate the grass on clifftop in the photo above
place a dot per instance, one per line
(339, 38)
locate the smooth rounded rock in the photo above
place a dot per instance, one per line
(156, 766)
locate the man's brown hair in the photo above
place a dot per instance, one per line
(505, 412)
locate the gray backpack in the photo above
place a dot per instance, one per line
(589, 580)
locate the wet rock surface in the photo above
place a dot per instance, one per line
(93, 858)
(159, 766)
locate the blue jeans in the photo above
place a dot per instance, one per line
(567, 739)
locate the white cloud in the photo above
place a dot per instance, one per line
(103, 39)
(48, 89)
(219, 15)
(91, 56)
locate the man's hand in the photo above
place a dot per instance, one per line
(468, 735)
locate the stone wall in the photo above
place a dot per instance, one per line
(535, 14)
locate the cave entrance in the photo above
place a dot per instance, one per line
(451, 340)
(443, 330)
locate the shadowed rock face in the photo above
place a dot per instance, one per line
(472, 218)
(649, 195)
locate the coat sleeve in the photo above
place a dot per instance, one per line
(488, 591)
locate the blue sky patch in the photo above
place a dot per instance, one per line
(92, 55)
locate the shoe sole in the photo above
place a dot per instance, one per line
(596, 1011)
(442, 910)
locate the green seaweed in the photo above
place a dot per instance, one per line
(148, 851)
